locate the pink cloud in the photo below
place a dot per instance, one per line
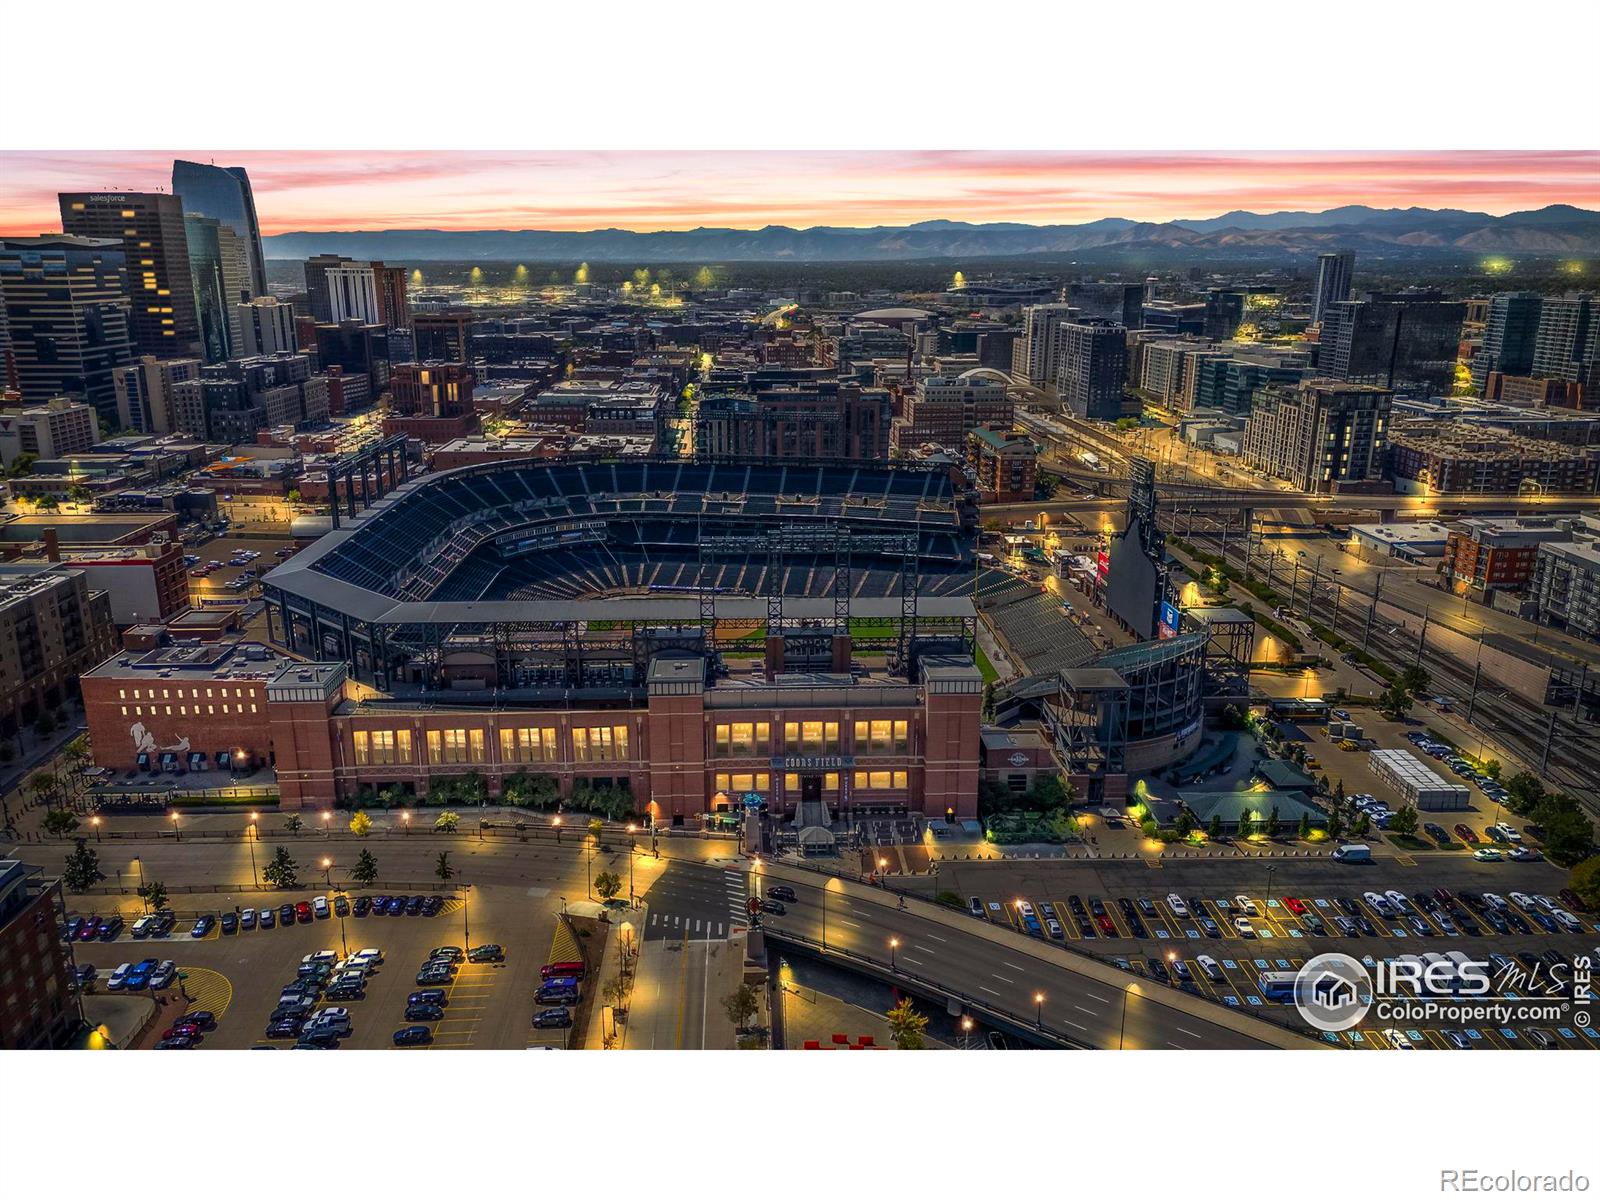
(658, 189)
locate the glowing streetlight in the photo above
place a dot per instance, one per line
(894, 944)
(555, 823)
(1038, 1009)
(176, 832)
(251, 840)
(95, 821)
(405, 821)
(327, 871)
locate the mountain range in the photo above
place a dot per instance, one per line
(1559, 229)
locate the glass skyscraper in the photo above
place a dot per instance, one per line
(223, 193)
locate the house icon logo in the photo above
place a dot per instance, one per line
(1333, 992)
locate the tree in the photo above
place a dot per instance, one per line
(1183, 822)
(1395, 703)
(294, 824)
(1404, 821)
(987, 713)
(1585, 881)
(47, 504)
(79, 494)
(1335, 823)
(1305, 827)
(1246, 825)
(60, 822)
(1568, 833)
(154, 895)
(1273, 823)
(1214, 826)
(447, 821)
(282, 872)
(442, 867)
(82, 869)
(1414, 680)
(361, 824)
(1492, 768)
(1338, 794)
(294, 496)
(365, 872)
(907, 1024)
(1359, 827)
(43, 784)
(741, 1005)
(1524, 790)
(608, 884)
(597, 827)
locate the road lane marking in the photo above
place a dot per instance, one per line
(936, 937)
(1082, 1009)
(909, 959)
(990, 990)
(921, 947)
(1195, 1036)
(1003, 979)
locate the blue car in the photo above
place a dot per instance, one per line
(202, 926)
(139, 978)
(395, 907)
(413, 1035)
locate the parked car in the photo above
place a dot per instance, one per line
(203, 926)
(302, 912)
(267, 919)
(489, 953)
(229, 923)
(413, 1035)
(362, 906)
(320, 909)
(247, 919)
(424, 1012)
(553, 1018)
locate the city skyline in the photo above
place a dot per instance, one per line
(328, 190)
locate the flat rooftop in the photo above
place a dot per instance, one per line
(241, 661)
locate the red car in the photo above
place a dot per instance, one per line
(302, 912)
(1297, 907)
(188, 1029)
(1443, 895)
(1464, 832)
(1106, 927)
(1572, 900)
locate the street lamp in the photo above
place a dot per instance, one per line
(894, 943)
(1122, 1029)
(326, 818)
(255, 834)
(1038, 1009)
(143, 899)
(176, 832)
(632, 849)
(555, 822)
(405, 820)
(466, 928)
(95, 821)
(327, 872)
(966, 1033)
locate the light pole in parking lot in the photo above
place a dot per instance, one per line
(466, 928)
(255, 834)
(1271, 867)
(139, 862)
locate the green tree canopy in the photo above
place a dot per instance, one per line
(907, 1025)
(282, 871)
(82, 868)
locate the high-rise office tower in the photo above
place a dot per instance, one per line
(353, 293)
(1039, 348)
(1092, 366)
(390, 284)
(220, 267)
(316, 270)
(223, 194)
(266, 326)
(1509, 336)
(1406, 342)
(1336, 273)
(1112, 301)
(149, 225)
(1568, 345)
(66, 305)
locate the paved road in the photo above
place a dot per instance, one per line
(688, 900)
(1087, 1002)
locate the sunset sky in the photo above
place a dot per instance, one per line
(345, 190)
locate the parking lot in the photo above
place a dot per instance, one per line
(1227, 942)
(239, 976)
(223, 566)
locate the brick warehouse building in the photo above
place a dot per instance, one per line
(38, 1008)
(854, 742)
